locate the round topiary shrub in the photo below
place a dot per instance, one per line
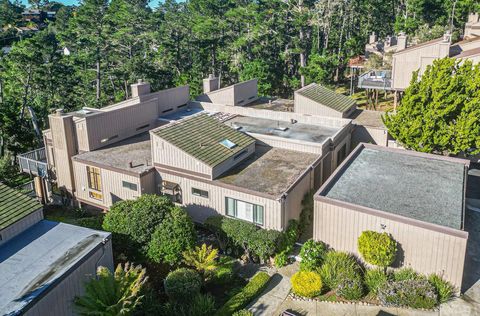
(338, 266)
(306, 283)
(350, 289)
(375, 279)
(378, 249)
(408, 293)
(312, 255)
(182, 284)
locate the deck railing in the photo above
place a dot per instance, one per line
(34, 162)
(376, 79)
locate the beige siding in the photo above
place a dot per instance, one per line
(166, 154)
(293, 201)
(298, 145)
(231, 162)
(305, 105)
(111, 182)
(427, 251)
(405, 63)
(200, 208)
(238, 94)
(365, 134)
(20, 226)
(59, 300)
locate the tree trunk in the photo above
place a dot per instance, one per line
(98, 76)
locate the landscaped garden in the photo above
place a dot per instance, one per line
(329, 275)
(166, 266)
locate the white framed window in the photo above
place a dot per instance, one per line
(246, 211)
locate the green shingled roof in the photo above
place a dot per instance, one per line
(200, 137)
(14, 206)
(327, 97)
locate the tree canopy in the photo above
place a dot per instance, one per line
(440, 111)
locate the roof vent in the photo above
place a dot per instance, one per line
(228, 143)
(84, 111)
(281, 128)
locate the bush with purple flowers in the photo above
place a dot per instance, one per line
(408, 293)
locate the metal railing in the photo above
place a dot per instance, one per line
(34, 162)
(376, 79)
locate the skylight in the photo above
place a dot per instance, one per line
(228, 143)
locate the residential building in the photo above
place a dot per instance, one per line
(417, 198)
(206, 155)
(472, 27)
(44, 264)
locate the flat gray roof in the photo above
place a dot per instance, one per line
(136, 149)
(274, 104)
(270, 170)
(33, 261)
(368, 118)
(428, 189)
(297, 131)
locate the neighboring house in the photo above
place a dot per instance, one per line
(315, 99)
(239, 94)
(44, 264)
(100, 156)
(417, 198)
(472, 27)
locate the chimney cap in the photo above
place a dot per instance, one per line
(59, 112)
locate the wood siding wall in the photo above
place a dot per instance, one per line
(305, 105)
(231, 162)
(166, 154)
(298, 145)
(405, 63)
(427, 251)
(112, 188)
(201, 208)
(59, 300)
(369, 135)
(20, 226)
(235, 95)
(293, 201)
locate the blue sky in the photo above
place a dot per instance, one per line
(153, 3)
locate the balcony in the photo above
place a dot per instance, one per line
(34, 163)
(376, 79)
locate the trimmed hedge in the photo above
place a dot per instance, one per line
(408, 293)
(379, 249)
(254, 287)
(306, 283)
(182, 284)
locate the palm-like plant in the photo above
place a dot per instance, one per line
(113, 294)
(203, 258)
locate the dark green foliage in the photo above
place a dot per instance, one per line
(408, 293)
(198, 305)
(256, 242)
(134, 221)
(306, 215)
(312, 255)
(338, 267)
(444, 289)
(290, 236)
(374, 279)
(243, 312)
(223, 274)
(182, 284)
(93, 222)
(248, 293)
(174, 235)
(281, 259)
(351, 289)
(378, 249)
(320, 68)
(439, 113)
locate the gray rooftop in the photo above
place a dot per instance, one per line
(368, 118)
(426, 189)
(269, 170)
(327, 97)
(32, 261)
(136, 149)
(297, 131)
(274, 104)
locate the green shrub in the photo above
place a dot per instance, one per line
(93, 222)
(175, 235)
(182, 284)
(338, 266)
(350, 289)
(254, 287)
(243, 312)
(312, 254)
(255, 242)
(288, 239)
(203, 259)
(223, 274)
(445, 291)
(306, 283)
(408, 293)
(281, 259)
(306, 215)
(378, 249)
(199, 305)
(374, 279)
(405, 274)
